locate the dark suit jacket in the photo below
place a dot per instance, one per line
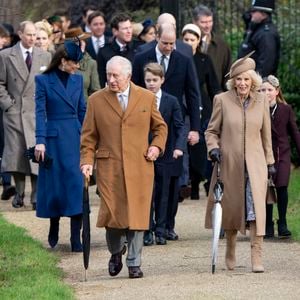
(90, 48)
(110, 50)
(180, 80)
(181, 47)
(171, 112)
(284, 127)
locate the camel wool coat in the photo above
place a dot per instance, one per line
(119, 142)
(244, 138)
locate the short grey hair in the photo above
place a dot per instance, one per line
(124, 62)
(23, 25)
(255, 77)
(201, 10)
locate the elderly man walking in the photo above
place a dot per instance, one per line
(19, 65)
(116, 131)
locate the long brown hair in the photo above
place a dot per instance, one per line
(57, 57)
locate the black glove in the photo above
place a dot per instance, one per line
(215, 155)
(271, 170)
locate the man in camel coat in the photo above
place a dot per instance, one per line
(116, 131)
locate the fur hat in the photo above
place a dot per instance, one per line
(263, 5)
(242, 65)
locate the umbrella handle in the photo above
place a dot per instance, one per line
(86, 181)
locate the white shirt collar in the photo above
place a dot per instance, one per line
(126, 92)
(158, 98)
(120, 44)
(159, 54)
(24, 50)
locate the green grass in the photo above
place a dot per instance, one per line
(293, 213)
(27, 270)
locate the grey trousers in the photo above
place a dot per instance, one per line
(19, 179)
(116, 238)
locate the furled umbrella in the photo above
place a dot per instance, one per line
(217, 217)
(86, 234)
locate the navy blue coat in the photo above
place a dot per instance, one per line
(180, 80)
(171, 112)
(59, 115)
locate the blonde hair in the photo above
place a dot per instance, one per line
(255, 77)
(271, 79)
(44, 25)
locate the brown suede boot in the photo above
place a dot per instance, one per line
(256, 249)
(230, 248)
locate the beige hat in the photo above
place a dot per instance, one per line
(192, 27)
(242, 65)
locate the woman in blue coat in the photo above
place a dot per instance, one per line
(60, 109)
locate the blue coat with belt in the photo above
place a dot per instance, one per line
(60, 112)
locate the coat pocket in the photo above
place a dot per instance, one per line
(102, 154)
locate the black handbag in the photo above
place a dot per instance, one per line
(46, 163)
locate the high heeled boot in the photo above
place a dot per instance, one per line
(256, 249)
(76, 222)
(53, 232)
(230, 249)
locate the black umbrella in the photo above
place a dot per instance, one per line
(86, 234)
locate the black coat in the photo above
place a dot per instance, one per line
(265, 40)
(179, 81)
(283, 127)
(90, 47)
(110, 50)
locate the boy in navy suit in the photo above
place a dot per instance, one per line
(167, 167)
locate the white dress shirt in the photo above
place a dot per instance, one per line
(159, 55)
(97, 45)
(158, 98)
(24, 51)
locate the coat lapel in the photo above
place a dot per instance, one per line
(171, 65)
(18, 62)
(58, 87)
(112, 100)
(132, 100)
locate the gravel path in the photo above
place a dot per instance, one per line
(179, 270)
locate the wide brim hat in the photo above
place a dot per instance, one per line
(241, 65)
(75, 33)
(263, 5)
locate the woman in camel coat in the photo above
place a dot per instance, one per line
(239, 137)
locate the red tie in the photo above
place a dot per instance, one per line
(28, 60)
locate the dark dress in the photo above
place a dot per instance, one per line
(60, 110)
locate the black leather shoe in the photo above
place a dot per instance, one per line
(34, 206)
(148, 238)
(18, 201)
(160, 240)
(135, 272)
(8, 191)
(283, 232)
(115, 264)
(172, 235)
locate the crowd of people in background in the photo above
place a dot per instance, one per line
(216, 112)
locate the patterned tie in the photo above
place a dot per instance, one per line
(28, 60)
(122, 102)
(163, 63)
(97, 45)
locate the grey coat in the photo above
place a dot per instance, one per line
(17, 90)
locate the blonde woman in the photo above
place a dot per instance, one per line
(239, 138)
(284, 127)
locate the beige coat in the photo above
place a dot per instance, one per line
(242, 137)
(17, 90)
(121, 141)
